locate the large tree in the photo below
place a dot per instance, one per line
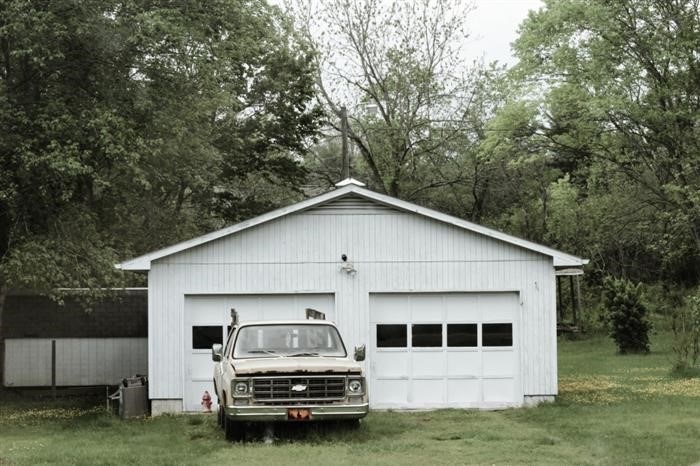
(130, 125)
(399, 69)
(619, 113)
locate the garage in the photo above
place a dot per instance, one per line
(453, 314)
(444, 350)
(208, 319)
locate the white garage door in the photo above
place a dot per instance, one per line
(207, 319)
(444, 350)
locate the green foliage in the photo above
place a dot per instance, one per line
(127, 126)
(617, 113)
(626, 315)
(686, 333)
(568, 224)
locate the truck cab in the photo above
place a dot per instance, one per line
(287, 371)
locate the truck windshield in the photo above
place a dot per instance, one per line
(288, 340)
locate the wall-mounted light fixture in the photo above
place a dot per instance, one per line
(347, 267)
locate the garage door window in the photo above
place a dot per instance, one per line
(391, 336)
(203, 336)
(427, 335)
(497, 335)
(462, 335)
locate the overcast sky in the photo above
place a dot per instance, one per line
(493, 26)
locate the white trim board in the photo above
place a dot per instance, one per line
(560, 259)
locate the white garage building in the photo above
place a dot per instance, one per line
(453, 314)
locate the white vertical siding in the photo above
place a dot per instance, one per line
(391, 251)
(79, 361)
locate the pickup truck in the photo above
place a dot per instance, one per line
(288, 371)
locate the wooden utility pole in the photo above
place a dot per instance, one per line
(344, 137)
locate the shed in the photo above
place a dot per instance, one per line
(454, 314)
(47, 343)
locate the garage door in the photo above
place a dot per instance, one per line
(207, 319)
(444, 350)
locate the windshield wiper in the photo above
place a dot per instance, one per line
(263, 351)
(302, 355)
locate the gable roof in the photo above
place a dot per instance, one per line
(352, 187)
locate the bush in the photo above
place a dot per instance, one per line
(686, 334)
(626, 315)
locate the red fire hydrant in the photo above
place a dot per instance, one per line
(206, 402)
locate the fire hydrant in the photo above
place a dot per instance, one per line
(206, 402)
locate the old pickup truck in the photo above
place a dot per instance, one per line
(289, 371)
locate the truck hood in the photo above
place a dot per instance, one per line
(312, 365)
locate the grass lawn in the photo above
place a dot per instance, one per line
(611, 410)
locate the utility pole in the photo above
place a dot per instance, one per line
(344, 137)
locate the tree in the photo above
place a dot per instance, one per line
(686, 333)
(398, 69)
(620, 107)
(525, 173)
(127, 126)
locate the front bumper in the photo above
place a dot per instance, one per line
(279, 413)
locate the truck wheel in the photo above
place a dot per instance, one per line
(220, 416)
(234, 430)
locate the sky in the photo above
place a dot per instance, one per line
(493, 26)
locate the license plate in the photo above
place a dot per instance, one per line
(303, 414)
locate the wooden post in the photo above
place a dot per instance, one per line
(344, 138)
(577, 310)
(573, 300)
(53, 368)
(560, 303)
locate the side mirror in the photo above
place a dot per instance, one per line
(360, 353)
(216, 350)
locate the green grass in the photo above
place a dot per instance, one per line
(612, 410)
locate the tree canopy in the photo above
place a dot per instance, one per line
(399, 70)
(619, 114)
(130, 125)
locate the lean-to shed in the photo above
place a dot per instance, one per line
(453, 314)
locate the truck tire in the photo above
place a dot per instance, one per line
(220, 416)
(234, 430)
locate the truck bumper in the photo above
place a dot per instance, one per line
(280, 413)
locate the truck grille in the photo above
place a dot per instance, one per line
(275, 389)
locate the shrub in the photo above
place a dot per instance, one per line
(686, 333)
(626, 315)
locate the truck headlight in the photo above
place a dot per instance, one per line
(240, 388)
(355, 386)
